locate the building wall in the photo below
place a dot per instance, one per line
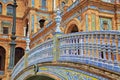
(5, 39)
(28, 13)
(86, 16)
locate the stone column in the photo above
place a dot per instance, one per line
(54, 1)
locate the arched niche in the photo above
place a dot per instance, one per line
(19, 53)
(73, 29)
(40, 77)
(73, 26)
(2, 58)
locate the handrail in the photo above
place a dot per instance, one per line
(18, 67)
(97, 48)
(41, 52)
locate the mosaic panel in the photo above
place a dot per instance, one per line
(86, 18)
(32, 23)
(33, 3)
(6, 1)
(93, 21)
(105, 23)
(70, 73)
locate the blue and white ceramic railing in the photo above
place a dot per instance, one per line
(42, 53)
(109, 1)
(73, 5)
(18, 67)
(96, 48)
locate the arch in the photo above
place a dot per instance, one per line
(73, 28)
(73, 24)
(48, 37)
(9, 9)
(42, 22)
(63, 3)
(19, 53)
(42, 74)
(2, 58)
(62, 71)
(0, 8)
(37, 77)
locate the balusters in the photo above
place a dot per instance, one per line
(114, 49)
(79, 41)
(86, 46)
(82, 45)
(119, 46)
(77, 47)
(99, 47)
(90, 45)
(94, 46)
(103, 47)
(109, 48)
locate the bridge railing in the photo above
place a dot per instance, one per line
(73, 5)
(41, 53)
(18, 67)
(98, 48)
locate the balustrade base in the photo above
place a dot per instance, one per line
(115, 63)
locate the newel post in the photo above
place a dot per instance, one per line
(57, 33)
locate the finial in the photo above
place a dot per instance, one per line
(27, 42)
(58, 21)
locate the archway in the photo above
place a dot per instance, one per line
(10, 9)
(19, 53)
(42, 22)
(2, 58)
(40, 77)
(73, 28)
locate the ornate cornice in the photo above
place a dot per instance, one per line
(10, 17)
(27, 11)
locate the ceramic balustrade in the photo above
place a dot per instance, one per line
(73, 5)
(96, 48)
(114, 48)
(18, 67)
(99, 48)
(86, 45)
(108, 1)
(41, 53)
(109, 48)
(118, 45)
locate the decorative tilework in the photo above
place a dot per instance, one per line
(70, 73)
(86, 18)
(33, 3)
(108, 22)
(6, 1)
(32, 23)
(64, 73)
(93, 22)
